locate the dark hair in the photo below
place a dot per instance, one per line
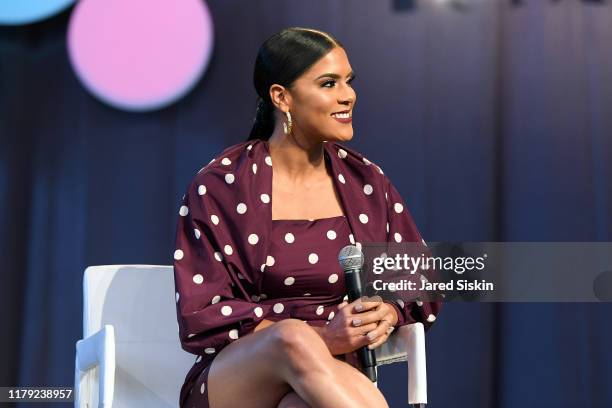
(281, 59)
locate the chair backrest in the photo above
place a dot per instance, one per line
(139, 301)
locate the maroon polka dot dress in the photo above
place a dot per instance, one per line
(234, 266)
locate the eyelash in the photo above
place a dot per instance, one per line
(324, 85)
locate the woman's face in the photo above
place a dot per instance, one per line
(322, 99)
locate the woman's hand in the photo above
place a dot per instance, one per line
(349, 328)
(385, 326)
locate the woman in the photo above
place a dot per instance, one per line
(259, 288)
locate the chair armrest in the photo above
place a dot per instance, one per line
(96, 350)
(407, 343)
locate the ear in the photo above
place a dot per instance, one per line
(280, 97)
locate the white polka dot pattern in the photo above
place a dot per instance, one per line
(226, 234)
(270, 260)
(253, 239)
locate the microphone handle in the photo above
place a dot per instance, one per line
(367, 357)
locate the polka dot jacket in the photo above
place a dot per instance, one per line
(227, 275)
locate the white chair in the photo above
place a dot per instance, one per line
(130, 354)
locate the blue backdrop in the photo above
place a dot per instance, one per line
(492, 118)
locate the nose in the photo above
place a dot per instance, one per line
(347, 95)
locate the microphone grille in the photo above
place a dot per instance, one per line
(350, 257)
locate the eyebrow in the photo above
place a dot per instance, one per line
(335, 76)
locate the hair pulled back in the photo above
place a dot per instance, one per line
(281, 59)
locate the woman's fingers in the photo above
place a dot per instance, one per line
(361, 306)
(378, 342)
(379, 335)
(370, 316)
(366, 303)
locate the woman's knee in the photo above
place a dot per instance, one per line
(299, 344)
(290, 334)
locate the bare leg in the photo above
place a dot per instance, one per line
(292, 400)
(260, 369)
(353, 376)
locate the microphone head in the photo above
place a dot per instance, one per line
(350, 257)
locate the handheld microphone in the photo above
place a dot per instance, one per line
(351, 260)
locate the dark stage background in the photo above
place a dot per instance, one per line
(492, 118)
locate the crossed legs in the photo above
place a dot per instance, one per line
(287, 365)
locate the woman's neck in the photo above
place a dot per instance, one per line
(296, 159)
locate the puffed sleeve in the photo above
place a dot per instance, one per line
(215, 304)
(401, 228)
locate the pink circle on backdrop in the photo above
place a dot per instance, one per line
(140, 54)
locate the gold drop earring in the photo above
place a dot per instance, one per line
(287, 124)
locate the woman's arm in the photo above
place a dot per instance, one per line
(214, 306)
(402, 229)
